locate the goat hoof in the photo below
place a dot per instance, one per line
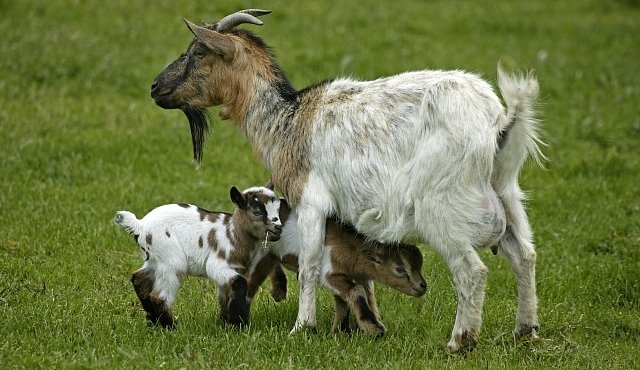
(464, 343)
(237, 316)
(381, 332)
(168, 323)
(378, 330)
(528, 332)
(303, 328)
(279, 295)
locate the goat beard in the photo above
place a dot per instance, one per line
(199, 125)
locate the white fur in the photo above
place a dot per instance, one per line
(416, 156)
(180, 254)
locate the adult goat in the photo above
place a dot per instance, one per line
(429, 155)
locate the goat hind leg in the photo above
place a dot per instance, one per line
(142, 281)
(470, 278)
(517, 247)
(164, 292)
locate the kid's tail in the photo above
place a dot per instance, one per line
(129, 222)
(519, 136)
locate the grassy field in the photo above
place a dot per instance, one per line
(80, 138)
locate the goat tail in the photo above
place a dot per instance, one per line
(129, 222)
(519, 136)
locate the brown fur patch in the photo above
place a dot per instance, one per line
(212, 239)
(242, 242)
(149, 239)
(291, 166)
(290, 261)
(213, 217)
(162, 312)
(204, 213)
(230, 236)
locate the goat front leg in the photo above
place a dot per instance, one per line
(232, 292)
(238, 308)
(341, 320)
(268, 265)
(278, 283)
(232, 300)
(311, 224)
(356, 296)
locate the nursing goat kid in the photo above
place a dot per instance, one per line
(176, 240)
(349, 266)
(430, 156)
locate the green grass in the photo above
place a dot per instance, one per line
(80, 138)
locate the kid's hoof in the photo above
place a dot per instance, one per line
(279, 294)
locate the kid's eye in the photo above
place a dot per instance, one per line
(401, 270)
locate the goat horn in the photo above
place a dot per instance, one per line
(237, 18)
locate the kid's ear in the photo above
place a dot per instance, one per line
(373, 256)
(269, 184)
(237, 198)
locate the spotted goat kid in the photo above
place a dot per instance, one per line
(182, 239)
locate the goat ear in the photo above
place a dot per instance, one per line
(215, 41)
(237, 198)
(373, 256)
(269, 184)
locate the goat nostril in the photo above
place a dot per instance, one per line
(154, 85)
(423, 285)
(278, 227)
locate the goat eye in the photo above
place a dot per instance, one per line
(257, 213)
(400, 270)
